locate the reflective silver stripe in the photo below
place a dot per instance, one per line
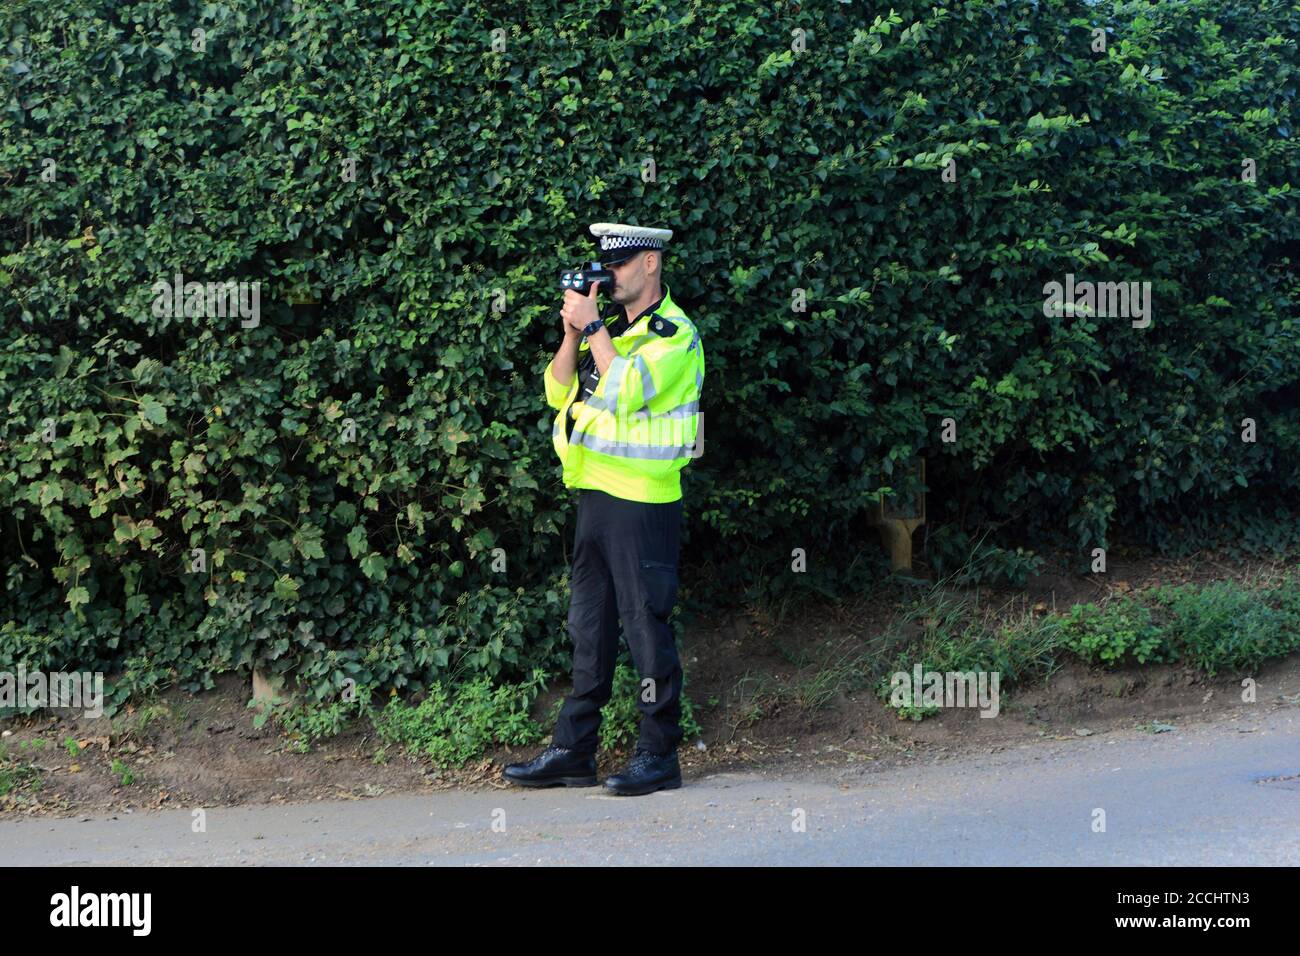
(681, 411)
(629, 450)
(647, 383)
(645, 415)
(613, 375)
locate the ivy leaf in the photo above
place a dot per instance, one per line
(357, 542)
(64, 361)
(153, 411)
(77, 597)
(286, 588)
(308, 542)
(375, 567)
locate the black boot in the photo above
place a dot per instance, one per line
(554, 766)
(646, 773)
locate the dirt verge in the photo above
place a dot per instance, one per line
(754, 683)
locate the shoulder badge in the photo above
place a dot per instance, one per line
(661, 326)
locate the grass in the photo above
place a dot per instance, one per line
(1215, 627)
(754, 697)
(17, 778)
(1124, 629)
(955, 634)
(1224, 626)
(451, 726)
(154, 712)
(844, 669)
(841, 668)
(1220, 626)
(123, 773)
(620, 722)
(454, 724)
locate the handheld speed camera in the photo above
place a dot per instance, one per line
(580, 280)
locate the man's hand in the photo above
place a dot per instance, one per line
(577, 313)
(579, 310)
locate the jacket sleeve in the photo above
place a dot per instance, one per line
(557, 394)
(632, 381)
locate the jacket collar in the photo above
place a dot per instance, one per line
(622, 323)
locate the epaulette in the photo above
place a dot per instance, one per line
(661, 326)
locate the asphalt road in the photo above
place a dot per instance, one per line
(1193, 796)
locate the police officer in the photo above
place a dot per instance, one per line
(626, 386)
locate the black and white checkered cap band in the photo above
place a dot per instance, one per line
(629, 242)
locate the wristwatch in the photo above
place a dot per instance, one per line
(595, 326)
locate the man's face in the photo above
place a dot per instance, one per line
(630, 279)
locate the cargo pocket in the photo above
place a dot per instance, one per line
(660, 583)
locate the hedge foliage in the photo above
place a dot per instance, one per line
(789, 146)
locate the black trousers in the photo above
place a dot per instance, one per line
(624, 567)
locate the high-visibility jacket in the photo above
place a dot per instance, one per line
(635, 433)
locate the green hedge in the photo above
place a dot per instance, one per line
(477, 171)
